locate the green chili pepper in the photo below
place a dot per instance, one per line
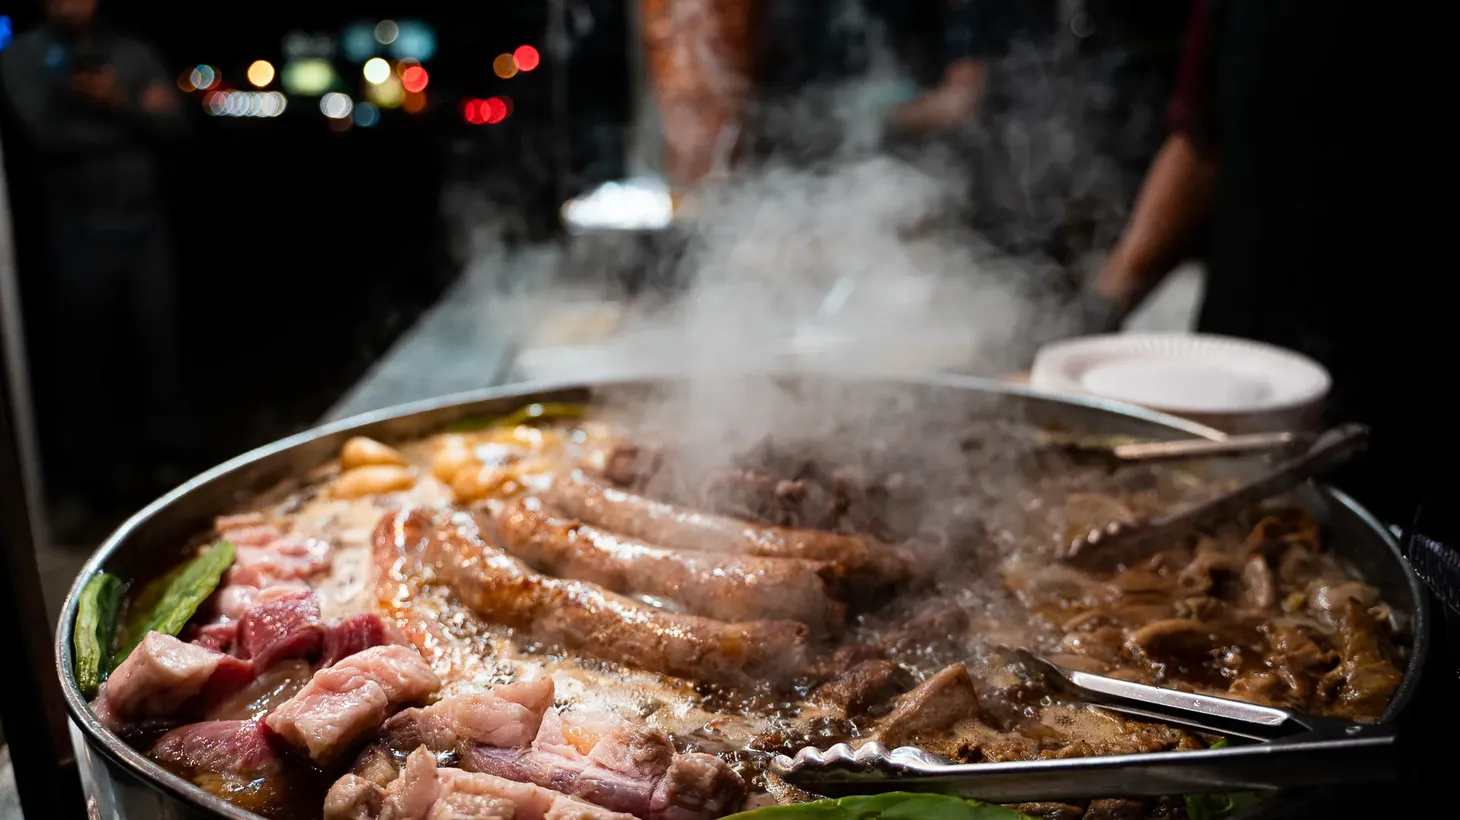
(179, 599)
(96, 620)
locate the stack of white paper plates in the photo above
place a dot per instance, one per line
(1210, 377)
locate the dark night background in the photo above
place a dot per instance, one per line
(303, 252)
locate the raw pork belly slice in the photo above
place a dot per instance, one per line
(232, 747)
(506, 716)
(342, 703)
(511, 732)
(425, 792)
(282, 624)
(161, 675)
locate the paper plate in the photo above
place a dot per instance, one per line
(1182, 373)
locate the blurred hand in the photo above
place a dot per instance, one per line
(1097, 314)
(100, 87)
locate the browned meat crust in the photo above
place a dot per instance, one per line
(585, 617)
(657, 522)
(724, 587)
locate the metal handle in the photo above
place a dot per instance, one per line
(1126, 543)
(1198, 447)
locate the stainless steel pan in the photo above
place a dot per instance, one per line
(122, 783)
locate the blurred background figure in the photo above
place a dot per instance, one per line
(98, 108)
(1057, 107)
(1287, 167)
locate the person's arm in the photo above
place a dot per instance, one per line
(45, 107)
(1169, 213)
(952, 102)
(975, 31)
(1176, 198)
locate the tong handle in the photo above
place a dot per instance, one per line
(1199, 447)
(1126, 544)
(1206, 713)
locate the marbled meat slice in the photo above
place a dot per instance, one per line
(585, 617)
(721, 586)
(281, 625)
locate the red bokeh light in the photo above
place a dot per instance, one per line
(496, 110)
(526, 58)
(474, 112)
(414, 79)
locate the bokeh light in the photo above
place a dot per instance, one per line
(358, 42)
(414, 79)
(388, 94)
(261, 73)
(203, 77)
(471, 111)
(496, 110)
(245, 103)
(366, 115)
(376, 70)
(335, 105)
(185, 82)
(386, 31)
(307, 77)
(526, 58)
(415, 103)
(504, 66)
(416, 41)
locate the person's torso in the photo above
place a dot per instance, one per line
(1305, 201)
(116, 177)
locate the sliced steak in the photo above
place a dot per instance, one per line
(342, 703)
(657, 522)
(720, 586)
(585, 617)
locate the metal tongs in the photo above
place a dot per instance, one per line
(1119, 542)
(1313, 751)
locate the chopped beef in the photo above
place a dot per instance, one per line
(282, 624)
(342, 703)
(724, 587)
(863, 687)
(585, 617)
(239, 748)
(426, 792)
(356, 633)
(935, 705)
(164, 673)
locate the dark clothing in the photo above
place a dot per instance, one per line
(1289, 98)
(111, 323)
(1069, 118)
